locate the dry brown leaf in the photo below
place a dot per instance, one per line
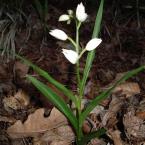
(3, 72)
(22, 97)
(63, 133)
(19, 101)
(141, 114)
(21, 69)
(60, 142)
(37, 124)
(118, 77)
(97, 141)
(128, 89)
(37, 141)
(7, 119)
(115, 136)
(110, 117)
(21, 141)
(141, 143)
(133, 125)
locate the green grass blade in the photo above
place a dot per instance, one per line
(91, 54)
(45, 8)
(55, 99)
(39, 8)
(106, 93)
(94, 134)
(44, 74)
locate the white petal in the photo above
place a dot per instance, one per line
(93, 43)
(59, 34)
(80, 13)
(68, 22)
(71, 55)
(64, 18)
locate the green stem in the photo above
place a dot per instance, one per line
(72, 41)
(83, 51)
(78, 24)
(80, 133)
(78, 75)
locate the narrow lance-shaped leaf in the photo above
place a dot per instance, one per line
(46, 8)
(39, 8)
(44, 74)
(91, 135)
(91, 54)
(55, 99)
(105, 94)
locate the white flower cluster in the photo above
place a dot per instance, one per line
(81, 16)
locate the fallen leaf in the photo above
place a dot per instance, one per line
(110, 116)
(4, 75)
(141, 114)
(21, 69)
(128, 89)
(97, 141)
(115, 136)
(133, 125)
(7, 119)
(63, 134)
(19, 101)
(37, 124)
(57, 142)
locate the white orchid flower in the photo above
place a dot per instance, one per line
(71, 55)
(80, 13)
(59, 34)
(93, 43)
(64, 17)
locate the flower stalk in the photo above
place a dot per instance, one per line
(73, 56)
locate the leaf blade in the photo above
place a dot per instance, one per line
(92, 135)
(55, 99)
(44, 74)
(91, 54)
(106, 93)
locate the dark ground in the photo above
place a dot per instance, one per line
(123, 49)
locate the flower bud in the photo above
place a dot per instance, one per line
(80, 13)
(71, 55)
(93, 43)
(59, 34)
(70, 12)
(64, 17)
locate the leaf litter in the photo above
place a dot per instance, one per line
(122, 113)
(54, 128)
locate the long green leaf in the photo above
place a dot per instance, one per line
(44, 74)
(39, 8)
(106, 93)
(95, 134)
(55, 99)
(45, 9)
(91, 54)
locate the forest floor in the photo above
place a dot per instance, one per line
(27, 117)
